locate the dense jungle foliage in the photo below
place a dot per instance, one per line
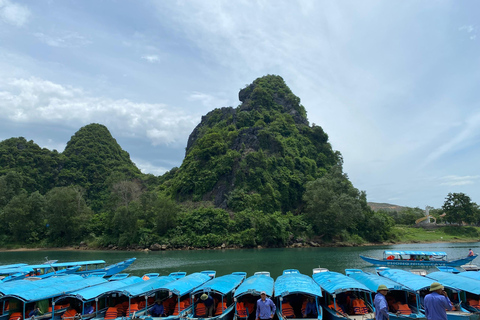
(257, 174)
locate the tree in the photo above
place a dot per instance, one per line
(460, 208)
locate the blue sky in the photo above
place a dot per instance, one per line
(393, 83)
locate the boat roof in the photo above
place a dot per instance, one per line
(256, 284)
(143, 287)
(422, 253)
(470, 274)
(11, 287)
(334, 282)
(87, 294)
(372, 281)
(455, 281)
(408, 279)
(15, 265)
(22, 269)
(69, 264)
(186, 284)
(222, 285)
(295, 282)
(51, 291)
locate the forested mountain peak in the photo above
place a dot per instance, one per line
(260, 154)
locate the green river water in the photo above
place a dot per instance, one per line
(248, 260)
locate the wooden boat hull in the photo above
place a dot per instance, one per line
(416, 263)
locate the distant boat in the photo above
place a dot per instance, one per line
(416, 258)
(247, 294)
(292, 292)
(399, 297)
(221, 290)
(344, 297)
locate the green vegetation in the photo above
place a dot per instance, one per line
(405, 234)
(255, 175)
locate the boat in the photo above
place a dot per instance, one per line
(9, 274)
(448, 269)
(221, 289)
(472, 275)
(421, 285)
(87, 301)
(23, 296)
(344, 297)
(247, 294)
(175, 295)
(292, 291)
(416, 258)
(399, 298)
(468, 290)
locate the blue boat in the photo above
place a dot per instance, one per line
(221, 289)
(23, 296)
(175, 295)
(470, 274)
(88, 302)
(399, 298)
(416, 258)
(468, 289)
(248, 293)
(344, 297)
(421, 285)
(293, 291)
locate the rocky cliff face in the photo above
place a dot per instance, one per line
(258, 154)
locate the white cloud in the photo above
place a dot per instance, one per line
(148, 167)
(208, 100)
(63, 40)
(36, 100)
(152, 58)
(13, 13)
(454, 180)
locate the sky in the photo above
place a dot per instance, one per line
(391, 82)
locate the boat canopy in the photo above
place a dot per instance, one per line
(420, 253)
(186, 284)
(256, 284)
(51, 291)
(372, 281)
(222, 285)
(12, 287)
(21, 269)
(470, 274)
(456, 281)
(70, 264)
(408, 279)
(87, 294)
(15, 265)
(334, 282)
(295, 282)
(143, 287)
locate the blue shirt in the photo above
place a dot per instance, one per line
(311, 308)
(208, 302)
(435, 305)
(157, 310)
(381, 307)
(265, 309)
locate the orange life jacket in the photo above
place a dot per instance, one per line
(145, 278)
(120, 310)
(304, 307)
(220, 308)
(390, 257)
(403, 308)
(16, 316)
(250, 307)
(474, 303)
(111, 313)
(287, 310)
(183, 305)
(200, 309)
(133, 308)
(69, 314)
(332, 306)
(242, 312)
(359, 306)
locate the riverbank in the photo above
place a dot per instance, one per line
(402, 235)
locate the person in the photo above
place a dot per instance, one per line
(436, 303)
(265, 307)
(380, 303)
(310, 309)
(88, 309)
(208, 301)
(35, 312)
(157, 310)
(470, 253)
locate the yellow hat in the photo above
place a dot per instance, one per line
(436, 286)
(382, 287)
(204, 296)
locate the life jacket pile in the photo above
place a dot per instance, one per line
(403, 308)
(287, 310)
(183, 305)
(474, 303)
(359, 306)
(69, 314)
(220, 308)
(242, 311)
(111, 313)
(200, 309)
(133, 308)
(16, 316)
(332, 306)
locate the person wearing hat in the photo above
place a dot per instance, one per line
(265, 307)
(380, 303)
(208, 301)
(436, 303)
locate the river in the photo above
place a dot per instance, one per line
(248, 260)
